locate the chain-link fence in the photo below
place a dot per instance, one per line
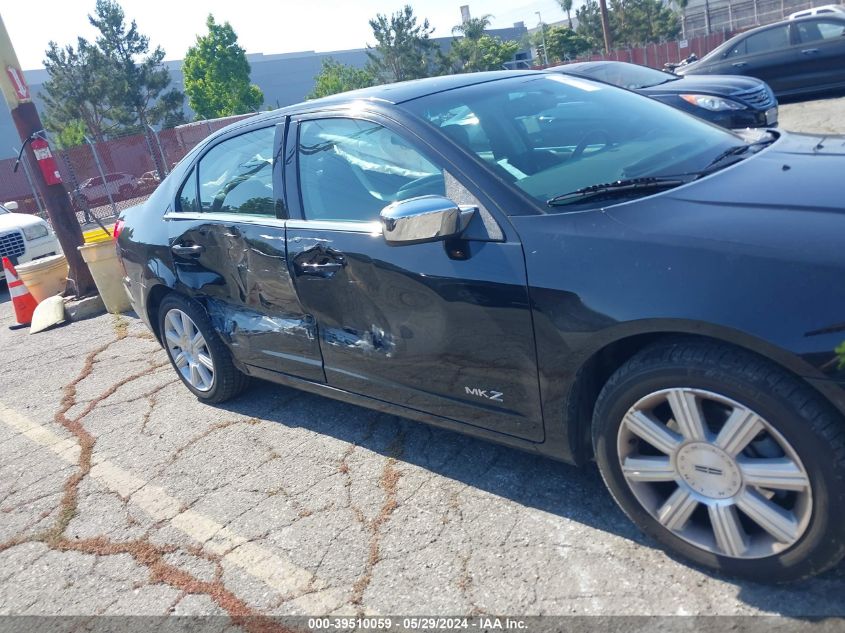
(102, 178)
(740, 15)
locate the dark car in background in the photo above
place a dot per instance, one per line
(729, 101)
(795, 57)
(540, 260)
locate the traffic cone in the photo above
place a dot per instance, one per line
(22, 300)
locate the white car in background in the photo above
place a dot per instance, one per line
(836, 9)
(24, 237)
(119, 185)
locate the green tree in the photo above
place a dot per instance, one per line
(335, 77)
(564, 44)
(217, 74)
(589, 21)
(632, 22)
(476, 50)
(77, 90)
(71, 134)
(473, 28)
(139, 84)
(404, 49)
(114, 85)
(485, 53)
(566, 7)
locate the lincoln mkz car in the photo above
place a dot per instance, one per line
(727, 100)
(544, 261)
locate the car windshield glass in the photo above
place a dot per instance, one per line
(552, 134)
(624, 75)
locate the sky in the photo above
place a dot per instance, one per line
(282, 26)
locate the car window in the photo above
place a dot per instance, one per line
(350, 169)
(818, 30)
(738, 49)
(187, 199)
(552, 134)
(768, 40)
(236, 176)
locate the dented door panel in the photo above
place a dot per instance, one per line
(411, 326)
(242, 277)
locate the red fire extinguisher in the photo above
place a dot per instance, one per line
(46, 161)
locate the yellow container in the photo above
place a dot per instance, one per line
(98, 235)
(105, 268)
(44, 277)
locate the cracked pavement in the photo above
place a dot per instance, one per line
(120, 493)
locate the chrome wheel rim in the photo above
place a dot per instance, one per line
(714, 473)
(188, 350)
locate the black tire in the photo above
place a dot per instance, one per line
(813, 429)
(228, 381)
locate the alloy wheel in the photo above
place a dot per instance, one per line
(188, 349)
(714, 473)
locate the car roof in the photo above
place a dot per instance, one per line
(397, 93)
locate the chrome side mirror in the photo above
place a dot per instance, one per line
(423, 219)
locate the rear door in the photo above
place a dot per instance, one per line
(227, 237)
(442, 327)
(822, 50)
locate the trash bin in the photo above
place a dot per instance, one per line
(98, 235)
(44, 277)
(101, 258)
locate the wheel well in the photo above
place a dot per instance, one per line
(154, 299)
(594, 374)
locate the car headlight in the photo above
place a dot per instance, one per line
(715, 104)
(35, 231)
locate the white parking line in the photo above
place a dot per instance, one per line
(277, 572)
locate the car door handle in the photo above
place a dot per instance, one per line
(319, 262)
(809, 51)
(322, 269)
(187, 250)
(739, 64)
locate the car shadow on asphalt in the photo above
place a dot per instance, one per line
(574, 493)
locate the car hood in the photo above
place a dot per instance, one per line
(797, 172)
(708, 84)
(17, 220)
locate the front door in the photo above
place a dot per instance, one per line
(443, 328)
(768, 55)
(228, 246)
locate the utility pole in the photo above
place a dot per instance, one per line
(46, 178)
(605, 27)
(543, 35)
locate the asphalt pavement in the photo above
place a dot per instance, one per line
(122, 494)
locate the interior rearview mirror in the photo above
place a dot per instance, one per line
(423, 219)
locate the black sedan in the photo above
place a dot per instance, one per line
(795, 57)
(729, 101)
(544, 261)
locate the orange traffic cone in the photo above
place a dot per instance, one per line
(22, 300)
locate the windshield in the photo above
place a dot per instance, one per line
(551, 134)
(624, 75)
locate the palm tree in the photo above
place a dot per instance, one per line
(566, 7)
(474, 28)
